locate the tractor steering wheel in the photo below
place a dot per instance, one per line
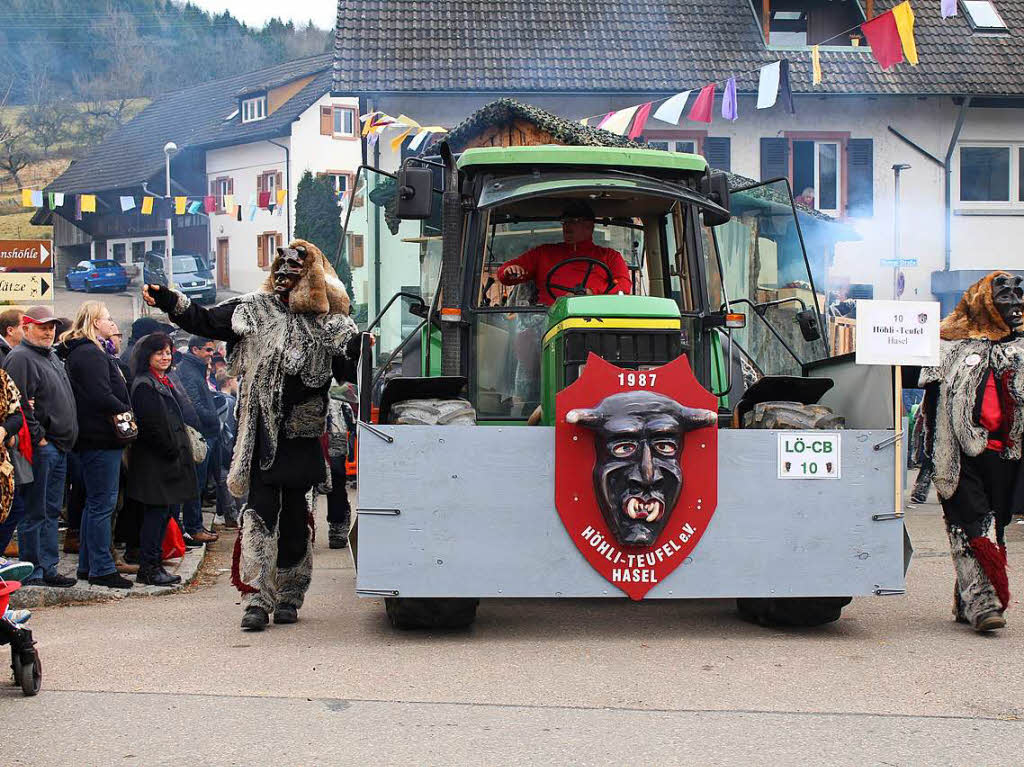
(581, 289)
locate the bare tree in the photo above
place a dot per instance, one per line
(15, 150)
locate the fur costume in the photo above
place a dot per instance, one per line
(284, 348)
(974, 482)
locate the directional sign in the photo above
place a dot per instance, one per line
(26, 255)
(898, 262)
(21, 288)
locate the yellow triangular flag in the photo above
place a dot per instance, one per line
(147, 206)
(26, 198)
(281, 194)
(88, 203)
(229, 203)
(816, 63)
(396, 142)
(406, 120)
(179, 205)
(904, 16)
(369, 123)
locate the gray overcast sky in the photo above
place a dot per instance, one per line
(257, 12)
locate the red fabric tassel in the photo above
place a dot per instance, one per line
(24, 437)
(992, 559)
(236, 577)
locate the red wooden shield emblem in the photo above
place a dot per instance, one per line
(636, 469)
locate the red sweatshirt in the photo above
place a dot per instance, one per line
(538, 263)
(996, 413)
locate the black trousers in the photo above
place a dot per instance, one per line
(285, 506)
(986, 487)
(338, 507)
(151, 538)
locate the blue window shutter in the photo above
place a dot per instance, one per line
(774, 158)
(860, 186)
(718, 152)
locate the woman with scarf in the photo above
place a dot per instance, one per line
(161, 472)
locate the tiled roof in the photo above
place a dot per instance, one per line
(643, 46)
(191, 118)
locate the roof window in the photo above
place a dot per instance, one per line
(800, 23)
(254, 109)
(983, 16)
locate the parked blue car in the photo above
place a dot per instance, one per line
(97, 275)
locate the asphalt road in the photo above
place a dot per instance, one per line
(172, 680)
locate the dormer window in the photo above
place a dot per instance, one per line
(800, 23)
(254, 109)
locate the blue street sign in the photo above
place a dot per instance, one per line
(898, 262)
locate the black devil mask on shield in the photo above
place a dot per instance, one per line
(637, 475)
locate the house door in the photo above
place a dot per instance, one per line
(223, 278)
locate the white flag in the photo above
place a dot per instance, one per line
(418, 139)
(37, 198)
(768, 87)
(127, 203)
(58, 199)
(670, 111)
(619, 121)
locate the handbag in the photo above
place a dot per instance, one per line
(126, 430)
(173, 546)
(197, 442)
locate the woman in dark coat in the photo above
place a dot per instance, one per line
(161, 472)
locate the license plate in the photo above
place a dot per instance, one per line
(809, 455)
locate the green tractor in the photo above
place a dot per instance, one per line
(447, 514)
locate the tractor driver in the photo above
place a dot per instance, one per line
(578, 243)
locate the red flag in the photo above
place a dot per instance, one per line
(264, 200)
(701, 109)
(884, 38)
(209, 203)
(640, 121)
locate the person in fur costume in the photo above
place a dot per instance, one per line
(285, 341)
(974, 421)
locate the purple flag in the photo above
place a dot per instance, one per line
(78, 207)
(729, 100)
(948, 8)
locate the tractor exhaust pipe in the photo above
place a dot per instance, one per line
(451, 267)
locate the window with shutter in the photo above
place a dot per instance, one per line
(356, 251)
(860, 177)
(326, 121)
(261, 253)
(718, 152)
(774, 158)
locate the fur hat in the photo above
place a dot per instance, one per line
(976, 315)
(319, 291)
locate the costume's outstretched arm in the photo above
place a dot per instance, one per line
(214, 322)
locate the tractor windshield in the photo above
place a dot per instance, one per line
(765, 274)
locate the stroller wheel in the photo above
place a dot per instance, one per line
(29, 675)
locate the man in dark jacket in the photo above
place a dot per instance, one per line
(10, 330)
(53, 424)
(192, 371)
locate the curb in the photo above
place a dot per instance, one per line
(47, 596)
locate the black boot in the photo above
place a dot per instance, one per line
(174, 578)
(337, 535)
(286, 613)
(255, 619)
(156, 576)
(111, 581)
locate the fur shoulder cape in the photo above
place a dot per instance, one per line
(319, 290)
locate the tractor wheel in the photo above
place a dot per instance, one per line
(792, 611)
(405, 613)
(433, 613)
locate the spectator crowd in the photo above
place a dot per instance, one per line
(120, 444)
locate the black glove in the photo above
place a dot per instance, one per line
(165, 298)
(353, 347)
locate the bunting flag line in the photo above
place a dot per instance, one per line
(948, 8)
(768, 85)
(37, 198)
(605, 119)
(194, 207)
(701, 109)
(281, 195)
(884, 38)
(252, 212)
(78, 207)
(88, 202)
(671, 110)
(209, 203)
(640, 121)
(729, 111)
(396, 142)
(58, 199)
(784, 90)
(418, 139)
(904, 16)
(26, 198)
(179, 205)
(816, 64)
(238, 212)
(147, 206)
(127, 203)
(619, 121)
(263, 200)
(49, 201)
(229, 203)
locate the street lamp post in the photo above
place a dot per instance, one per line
(896, 250)
(169, 149)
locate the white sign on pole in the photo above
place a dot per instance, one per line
(898, 333)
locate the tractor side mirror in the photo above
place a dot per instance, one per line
(808, 324)
(715, 186)
(415, 192)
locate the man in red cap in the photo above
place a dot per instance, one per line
(53, 424)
